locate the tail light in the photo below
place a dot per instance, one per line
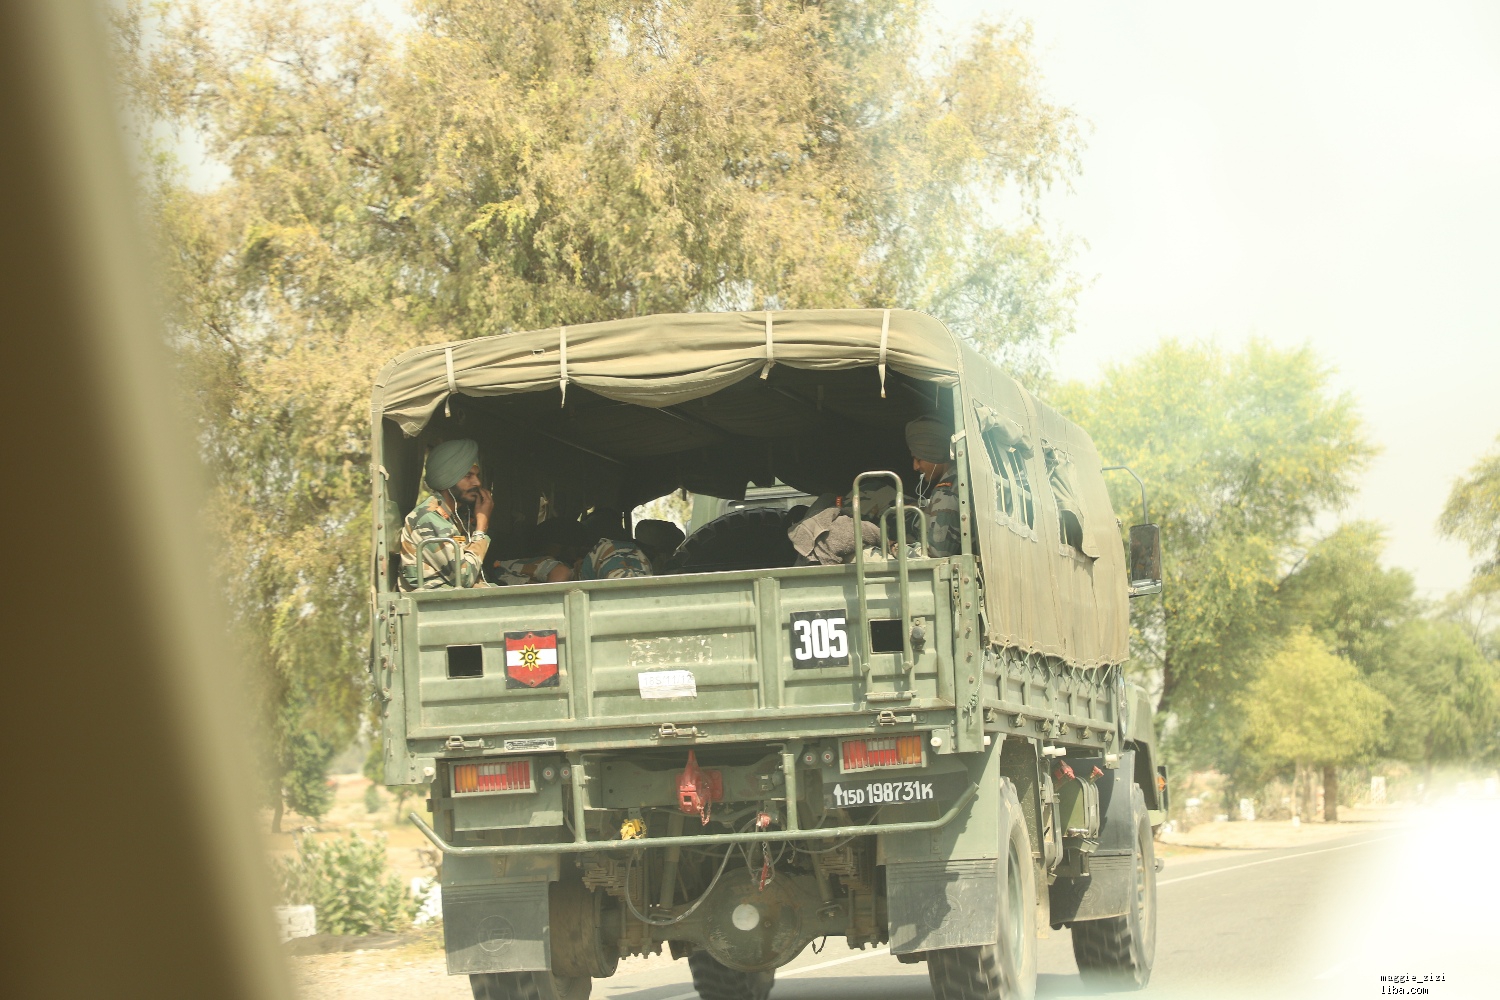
(893, 751)
(489, 779)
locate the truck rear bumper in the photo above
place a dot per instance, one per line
(700, 840)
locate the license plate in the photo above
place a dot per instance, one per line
(846, 794)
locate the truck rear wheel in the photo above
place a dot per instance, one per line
(529, 986)
(1117, 952)
(751, 538)
(716, 981)
(1005, 970)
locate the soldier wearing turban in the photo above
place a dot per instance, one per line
(929, 442)
(453, 477)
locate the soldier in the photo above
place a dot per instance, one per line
(930, 444)
(453, 477)
(614, 555)
(660, 539)
(559, 541)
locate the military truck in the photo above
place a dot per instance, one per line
(936, 755)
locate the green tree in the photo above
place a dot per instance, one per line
(1241, 453)
(1472, 515)
(1310, 709)
(1351, 601)
(1445, 697)
(510, 165)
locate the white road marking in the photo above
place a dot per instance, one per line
(1184, 878)
(784, 974)
(836, 961)
(1267, 861)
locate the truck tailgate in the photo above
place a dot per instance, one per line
(730, 631)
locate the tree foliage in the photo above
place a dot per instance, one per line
(511, 165)
(1472, 515)
(1445, 696)
(1435, 674)
(1350, 600)
(1308, 706)
(1241, 453)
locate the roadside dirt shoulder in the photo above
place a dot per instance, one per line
(1259, 835)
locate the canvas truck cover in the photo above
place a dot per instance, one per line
(662, 360)
(1042, 595)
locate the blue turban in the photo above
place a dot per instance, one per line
(449, 462)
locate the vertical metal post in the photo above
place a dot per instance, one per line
(789, 772)
(576, 778)
(961, 471)
(669, 867)
(580, 644)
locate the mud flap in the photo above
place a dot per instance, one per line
(943, 904)
(943, 887)
(1106, 890)
(496, 928)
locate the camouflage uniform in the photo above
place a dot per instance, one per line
(431, 520)
(614, 561)
(514, 572)
(944, 535)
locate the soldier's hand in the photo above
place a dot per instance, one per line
(485, 504)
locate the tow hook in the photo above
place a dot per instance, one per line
(698, 790)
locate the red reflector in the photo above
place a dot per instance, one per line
(506, 776)
(893, 751)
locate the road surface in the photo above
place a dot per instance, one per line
(1324, 920)
(1327, 920)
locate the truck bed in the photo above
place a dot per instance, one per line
(730, 631)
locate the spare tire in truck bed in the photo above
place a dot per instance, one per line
(751, 538)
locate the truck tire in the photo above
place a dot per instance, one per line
(750, 538)
(529, 986)
(1116, 953)
(1005, 970)
(716, 981)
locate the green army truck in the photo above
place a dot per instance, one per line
(738, 756)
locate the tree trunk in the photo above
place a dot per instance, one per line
(1331, 793)
(276, 814)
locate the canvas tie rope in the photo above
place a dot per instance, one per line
(885, 336)
(562, 361)
(452, 383)
(770, 349)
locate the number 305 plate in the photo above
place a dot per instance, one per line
(820, 639)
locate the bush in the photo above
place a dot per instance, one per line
(349, 884)
(373, 799)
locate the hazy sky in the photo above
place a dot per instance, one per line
(1307, 172)
(1311, 173)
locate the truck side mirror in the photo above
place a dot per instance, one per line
(1145, 560)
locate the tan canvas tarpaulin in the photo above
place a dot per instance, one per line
(663, 360)
(1047, 596)
(1041, 594)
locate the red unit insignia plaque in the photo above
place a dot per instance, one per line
(531, 659)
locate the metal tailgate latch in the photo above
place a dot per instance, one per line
(669, 731)
(459, 743)
(889, 718)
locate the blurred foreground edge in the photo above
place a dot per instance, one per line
(130, 862)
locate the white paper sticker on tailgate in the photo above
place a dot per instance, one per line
(667, 684)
